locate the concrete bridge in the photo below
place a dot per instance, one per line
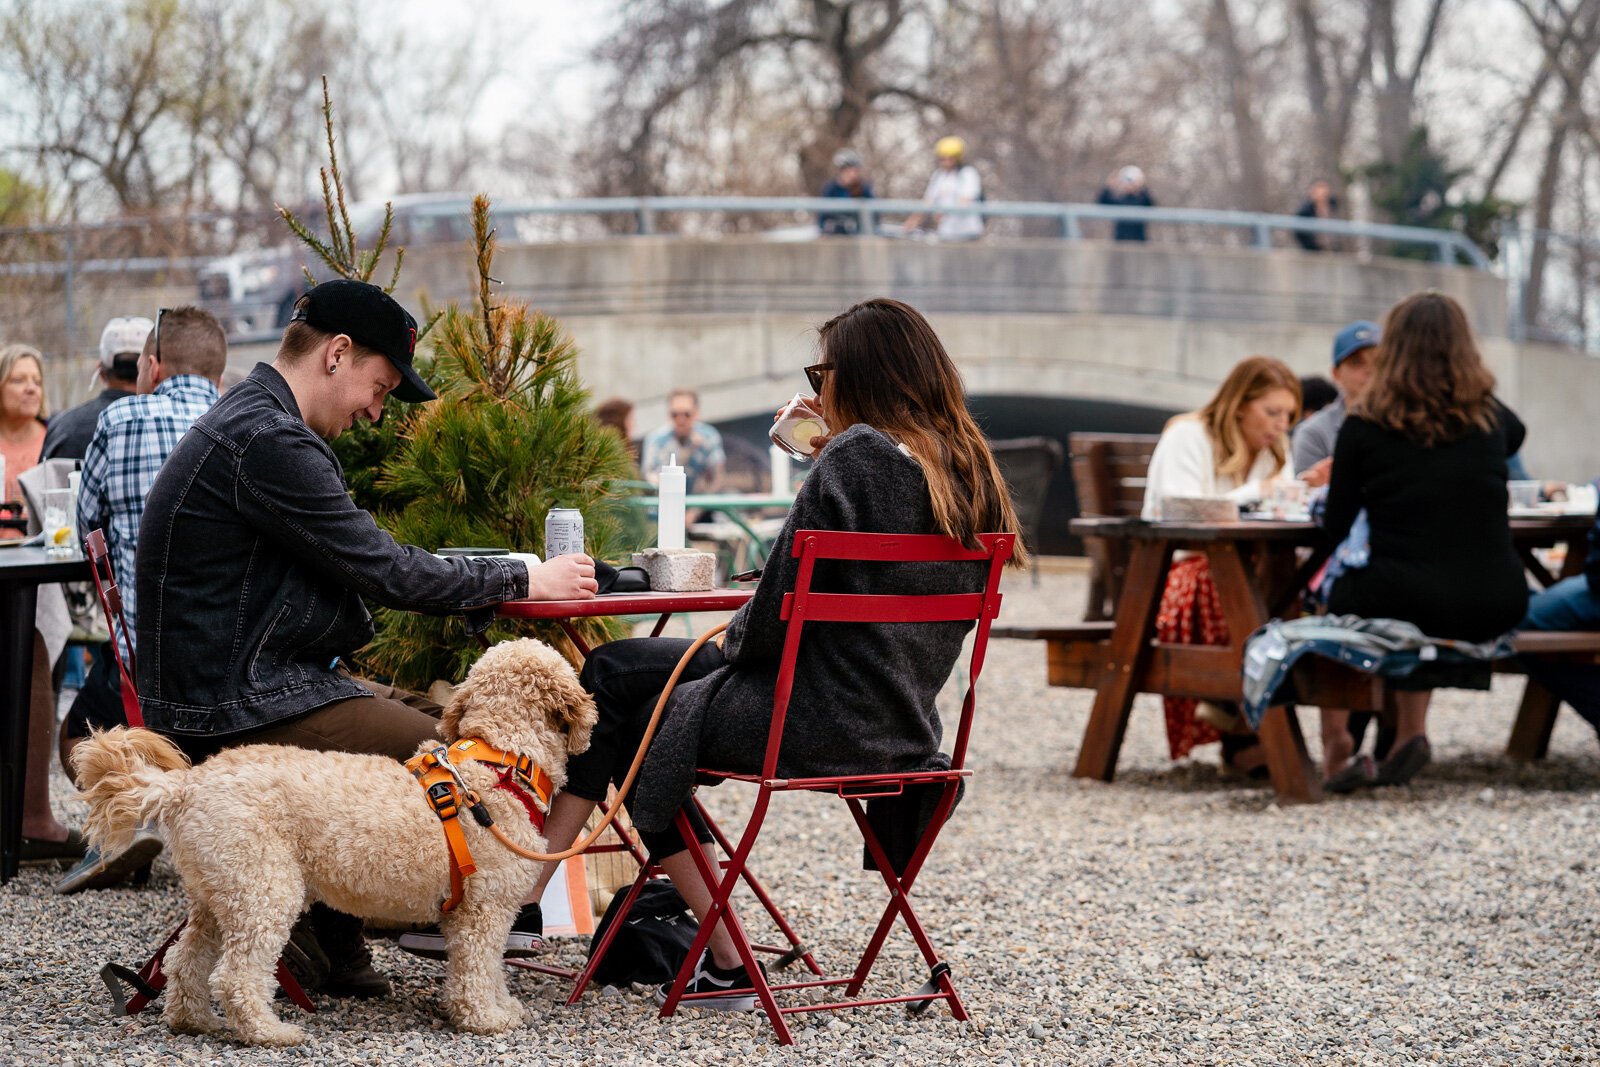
(1052, 336)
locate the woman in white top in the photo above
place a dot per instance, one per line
(1233, 447)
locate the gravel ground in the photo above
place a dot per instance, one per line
(1171, 917)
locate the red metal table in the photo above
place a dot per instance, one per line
(667, 604)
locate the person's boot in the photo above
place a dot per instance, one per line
(350, 970)
(304, 956)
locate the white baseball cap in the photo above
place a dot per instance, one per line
(123, 336)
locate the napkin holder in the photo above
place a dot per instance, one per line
(1199, 509)
(678, 570)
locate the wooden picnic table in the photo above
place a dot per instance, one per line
(1259, 568)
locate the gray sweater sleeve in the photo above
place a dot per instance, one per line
(1313, 439)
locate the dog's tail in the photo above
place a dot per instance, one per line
(124, 776)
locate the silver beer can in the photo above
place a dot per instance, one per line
(563, 532)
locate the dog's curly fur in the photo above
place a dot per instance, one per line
(260, 832)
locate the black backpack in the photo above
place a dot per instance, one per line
(651, 946)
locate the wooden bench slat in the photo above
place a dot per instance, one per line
(1536, 642)
(1077, 657)
(1088, 631)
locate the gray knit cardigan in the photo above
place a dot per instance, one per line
(863, 698)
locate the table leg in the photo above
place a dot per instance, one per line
(18, 601)
(1126, 657)
(577, 639)
(1536, 714)
(1536, 720)
(1294, 778)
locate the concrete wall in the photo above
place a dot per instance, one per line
(1152, 325)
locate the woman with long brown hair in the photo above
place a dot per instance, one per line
(1424, 452)
(903, 456)
(1234, 447)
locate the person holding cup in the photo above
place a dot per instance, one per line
(897, 452)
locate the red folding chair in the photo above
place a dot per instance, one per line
(133, 991)
(802, 608)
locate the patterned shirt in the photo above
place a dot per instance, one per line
(131, 441)
(699, 456)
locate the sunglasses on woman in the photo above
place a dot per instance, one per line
(814, 375)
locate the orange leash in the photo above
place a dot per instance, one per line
(582, 846)
(435, 769)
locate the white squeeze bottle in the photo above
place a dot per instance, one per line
(670, 524)
(780, 469)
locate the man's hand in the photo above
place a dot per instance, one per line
(563, 578)
(1318, 473)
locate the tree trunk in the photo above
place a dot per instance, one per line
(1248, 146)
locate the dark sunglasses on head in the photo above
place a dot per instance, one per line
(814, 375)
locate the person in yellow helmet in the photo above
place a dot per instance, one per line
(954, 182)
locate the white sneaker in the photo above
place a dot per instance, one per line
(732, 988)
(525, 939)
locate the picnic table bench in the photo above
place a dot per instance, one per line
(1259, 574)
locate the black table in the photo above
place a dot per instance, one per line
(22, 571)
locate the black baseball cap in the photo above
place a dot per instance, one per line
(371, 318)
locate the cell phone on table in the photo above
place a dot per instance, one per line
(746, 576)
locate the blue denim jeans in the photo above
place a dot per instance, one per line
(1568, 605)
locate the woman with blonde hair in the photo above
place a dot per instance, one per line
(1234, 447)
(903, 456)
(22, 415)
(1424, 453)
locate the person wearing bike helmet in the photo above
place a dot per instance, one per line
(955, 182)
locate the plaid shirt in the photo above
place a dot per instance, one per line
(131, 441)
(700, 455)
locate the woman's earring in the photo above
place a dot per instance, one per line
(333, 368)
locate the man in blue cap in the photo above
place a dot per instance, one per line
(1313, 439)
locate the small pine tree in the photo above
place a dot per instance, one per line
(510, 437)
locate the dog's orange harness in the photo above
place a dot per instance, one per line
(435, 768)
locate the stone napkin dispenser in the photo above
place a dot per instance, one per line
(678, 570)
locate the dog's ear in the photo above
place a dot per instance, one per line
(576, 714)
(460, 700)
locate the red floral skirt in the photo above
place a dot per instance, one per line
(1190, 614)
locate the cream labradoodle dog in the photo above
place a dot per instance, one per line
(260, 832)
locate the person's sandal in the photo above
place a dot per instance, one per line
(1359, 773)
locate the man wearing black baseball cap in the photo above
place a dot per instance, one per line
(254, 565)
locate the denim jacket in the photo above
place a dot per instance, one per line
(252, 565)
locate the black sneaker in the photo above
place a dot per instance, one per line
(733, 988)
(525, 939)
